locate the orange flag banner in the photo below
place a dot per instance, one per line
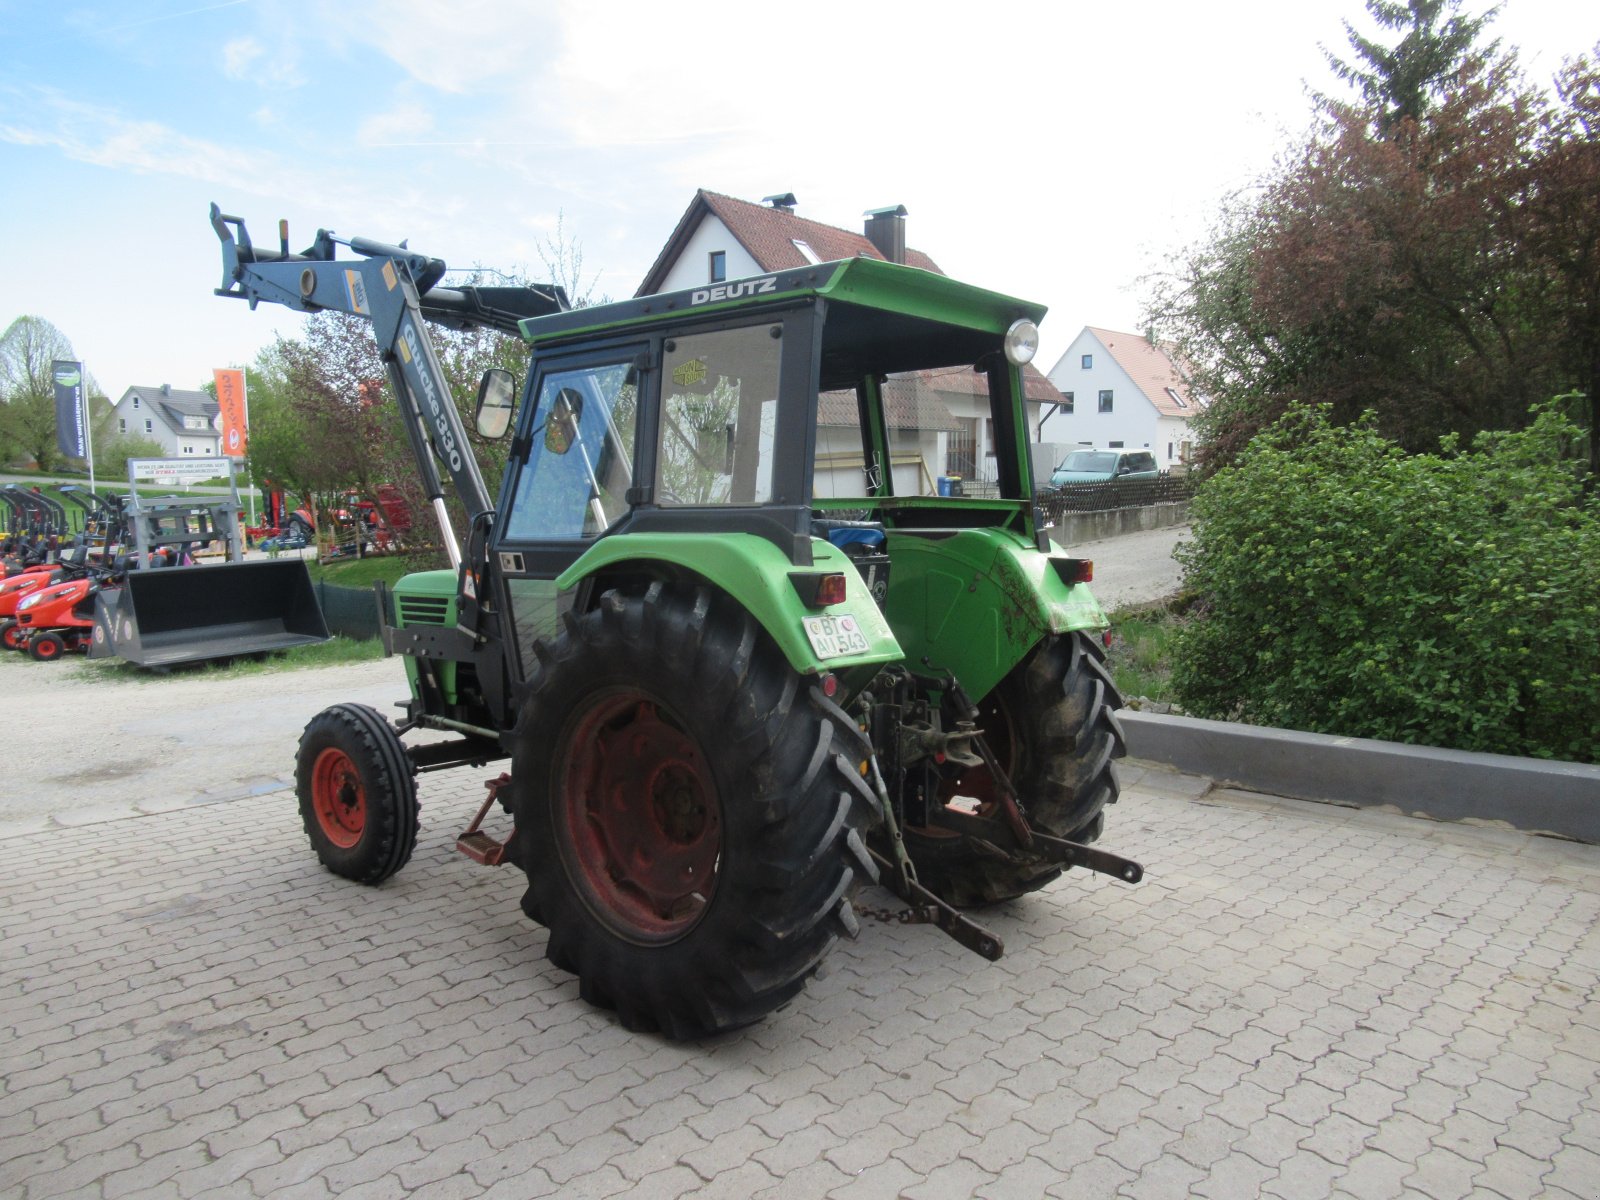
(230, 398)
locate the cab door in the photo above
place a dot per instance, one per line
(572, 468)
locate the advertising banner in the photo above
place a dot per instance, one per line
(70, 433)
(177, 472)
(230, 399)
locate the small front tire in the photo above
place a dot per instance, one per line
(358, 793)
(45, 646)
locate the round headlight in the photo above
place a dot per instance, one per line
(1022, 341)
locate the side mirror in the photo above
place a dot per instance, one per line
(497, 395)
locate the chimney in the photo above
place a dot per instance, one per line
(166, 389)
(783, 202)
(886, 230)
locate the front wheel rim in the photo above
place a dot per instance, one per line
(338, 798)
(639, 820)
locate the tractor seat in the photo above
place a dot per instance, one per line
(868, 535)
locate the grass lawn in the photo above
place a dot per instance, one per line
(1140, 654)
(361, 572)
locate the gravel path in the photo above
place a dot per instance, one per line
(1136, 568)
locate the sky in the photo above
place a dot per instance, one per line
(1061, 152)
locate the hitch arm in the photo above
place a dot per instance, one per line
(927, 909)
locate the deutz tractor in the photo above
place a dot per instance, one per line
(743, 652)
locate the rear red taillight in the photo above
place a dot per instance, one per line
(1074, 570)
(819, 591)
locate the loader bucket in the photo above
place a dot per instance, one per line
(187, 614)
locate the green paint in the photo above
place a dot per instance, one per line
(756, 574)
(427, 598)
(977, 601)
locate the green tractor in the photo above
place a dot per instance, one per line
(744, 653)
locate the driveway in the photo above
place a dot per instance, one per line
(1298, 1001)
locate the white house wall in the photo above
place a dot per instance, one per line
(1133, 422)
(693, 266)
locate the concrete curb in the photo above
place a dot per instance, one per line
(1534, 795)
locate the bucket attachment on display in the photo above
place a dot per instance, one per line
(176, 615)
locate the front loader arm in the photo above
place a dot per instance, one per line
(395, 289)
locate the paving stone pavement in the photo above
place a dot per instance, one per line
(1298, 1001)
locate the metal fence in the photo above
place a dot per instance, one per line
(1117, 493)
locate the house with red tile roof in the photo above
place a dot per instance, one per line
(939, 421)
(1118, 390)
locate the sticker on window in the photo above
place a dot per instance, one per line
(690, 373)
(835, 637)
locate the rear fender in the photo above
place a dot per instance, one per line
(756, 574)
(976, 602)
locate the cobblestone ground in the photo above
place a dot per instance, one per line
(1299, 1001)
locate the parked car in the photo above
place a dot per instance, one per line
(1101, 466)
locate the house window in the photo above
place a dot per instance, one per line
(1169, 451)
(1088, 362)
(122, 424)
(188, 449)
(148, 427)
(1177, 399)
(1105, 400)
(988, 436)
(719, 266)
(806, 252)
(1066, 402)
(136, 402)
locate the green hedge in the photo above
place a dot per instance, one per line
(1449, 600)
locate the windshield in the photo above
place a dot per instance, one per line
(1096, 461)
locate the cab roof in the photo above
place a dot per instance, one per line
(899, 294)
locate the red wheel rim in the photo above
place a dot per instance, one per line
(12, 637)
(338, 798)
(639, 818)
(47, 648)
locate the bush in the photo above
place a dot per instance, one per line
(1448, 600)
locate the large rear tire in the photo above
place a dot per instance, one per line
(690, 812)
(1052, 728)
(358, 793)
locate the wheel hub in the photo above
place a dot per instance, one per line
(641, 818)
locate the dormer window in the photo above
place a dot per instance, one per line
(719, 266)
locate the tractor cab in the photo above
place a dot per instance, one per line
(802, 420)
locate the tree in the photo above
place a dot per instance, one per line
(1400, 82)
(1427, 254)
(1564, 229)
(27, 388)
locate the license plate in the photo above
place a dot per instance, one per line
(835, 637)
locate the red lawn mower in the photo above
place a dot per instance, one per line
(58, 618)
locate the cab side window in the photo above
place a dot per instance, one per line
(575, 481)
(719, 411)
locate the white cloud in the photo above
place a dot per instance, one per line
(238, 55)
(405, 123)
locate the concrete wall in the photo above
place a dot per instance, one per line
(1531, 794)
(1075, 528)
